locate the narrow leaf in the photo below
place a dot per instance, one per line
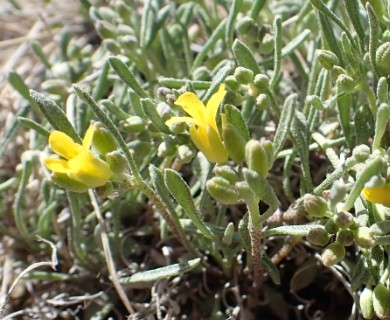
(244, 56)
(150, 110)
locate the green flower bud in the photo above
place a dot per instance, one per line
(381, 301)
(232, 82)
(315, 206)
(106, 13)
(269, 151)
(345, 237)
(337, 71)
(62, 180)
(383, 58)
(133, 124)
(228, 235)
(128, 42)
(344, 219)
(112, 46)
(55, 86)
(227, 173)
(315, 101)
(361, 153)
(263, 101)
(245, 24)
(243, 75)
(318, 237)
(140, 150)
(331, 227)
(164, 111)
(201, 73)
(382, 90)
(166, 148)
(338, 191)
(117, 162)
(261, 81)
(234, 142)
(364, 237)
(366, 303)
(222, 190)
(105, 30)
(103, 142)
(244, 191)
(345, 83)
(333, 254)
(267, 45)
(327, 59)
(256, 157)
(185, 154)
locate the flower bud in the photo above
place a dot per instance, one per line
(128, 42)
(315, 101)
(333, 254)
(263, 101)
(245, 24)
(361, 153)
(337, 71)
(103, 142)
(133, 124)
(331, 227)
(366, 303)
(318, 237)
(116, 161)
(243, 75)
(227, 173)
(228, 235)
(185, 154)
(222, 190)
(62, 180)
(201, 73)
(345, 237)
(267, 45)
(364, 237)
(338, 191)
(164, 111)
(261, 82)
(381, 301)
(234, 142)
(55, 86)
(315, 206)
(345, 83)
(112, 46)
(105, 29)
(166, 148)
(256, 157)
(327, 59)
(244, 191)
(232, 82)
(344, 219)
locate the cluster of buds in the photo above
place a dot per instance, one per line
(375, 302)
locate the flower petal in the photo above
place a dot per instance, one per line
(89, 169)
(88, 137)
(191, 104)
(63, 145)
(208, 141)
(57, 165)
(379, 195)
(213, 105)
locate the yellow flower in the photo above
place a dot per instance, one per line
(79, 163)
(203, 129)
(379, 195)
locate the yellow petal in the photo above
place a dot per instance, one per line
(208, 141)
(57, 165)
(379, 195)
(213, 104)
(63, 145)
(183, 119)
(192, 105)
(89, 169)
(88, 137)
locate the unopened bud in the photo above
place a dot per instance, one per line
(261, 81)
(112, 46)
(364, 237)
(243, 75)
(267, 45)
(228, 235)
(338, 191)
(331, 227)
(315, 206)
(133, 124)
(327, 59)
(381, 301)
(345, 237)
(345, 83)
(103, 142)
(333, 254)
(383, 58)
(344, 219)
(166, 148)
(361, 153)
(185, 154)
(315, 101)
(201, 73)
(164, 110)
(105, 29)
(337, 71)
(263, 101)
(232, 82)
(116, 161)
(234, 142)
(318, 237)
(222, 190)
(245, 24)
(366, 303)
(226, 172)
(256, 157)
